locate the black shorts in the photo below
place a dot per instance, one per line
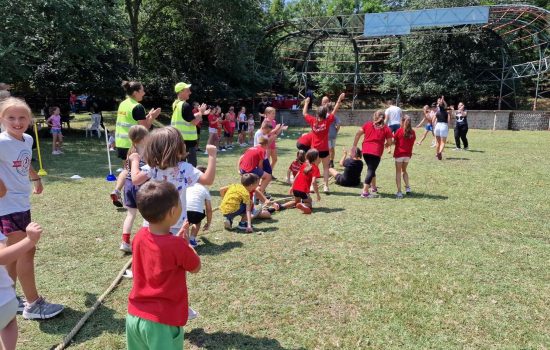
(122, 153)
(342, 181)
(195, 217)
(226, 134)
(302, 147)
(243, 127)
(300, 194)
(323, 154)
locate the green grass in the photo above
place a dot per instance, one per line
(463, 263)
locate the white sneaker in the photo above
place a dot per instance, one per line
(408, 190)
(125, 247)
(205, 152)
(325, 189)
(128, 274)
(399, 195)
(191, 314)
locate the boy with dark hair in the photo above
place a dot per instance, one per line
(157, 305)
(236, 201)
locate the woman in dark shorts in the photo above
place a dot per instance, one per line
(353, 166)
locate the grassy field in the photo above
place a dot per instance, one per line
(462, 263)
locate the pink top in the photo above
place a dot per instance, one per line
(55, 120)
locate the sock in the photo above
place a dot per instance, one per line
(126, 238)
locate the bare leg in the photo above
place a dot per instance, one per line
(129, 220)
(265, 180)
(121, 178)
(405, 174)
(8, 336)
(325, 161)
(438, 144)
(195, 230)
(273, 158)
(23, 268)
(423, 137)
(333, 172)
(398, 169)
(442, 144)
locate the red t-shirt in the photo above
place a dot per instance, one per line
(302, 182)
(306, 139)
(212, 121)
(295, 167)
(320, 130)
(159, 290)
(231, 117)
(226, 124)
(252, 158)
(374, 140)
(403, 146)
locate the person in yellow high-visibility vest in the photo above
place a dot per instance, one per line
(186, 121)
(130, 113)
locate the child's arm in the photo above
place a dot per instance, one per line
(3, 189)
(208, 206)
(223, 190)
(261, 196)
(249, 218)
(421, 122)
(198, 268)
(316, 189)
(306, 105)
(358, 135)
(207, 178)
(288, 172)
(337, 106)
(344, 156)
(38, 187)
(138, 177)
(14, 251)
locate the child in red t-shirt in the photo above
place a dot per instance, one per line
(304, 142)
(157, 304)
(295, 166)
(252, 161)
(307, 176)
(404, 142)
(320, 127)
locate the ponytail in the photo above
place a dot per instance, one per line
(406, 125)
(378, 118)
(131, 86)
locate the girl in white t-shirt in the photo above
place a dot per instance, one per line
(199, 206)
(15, 207)
(8, 300)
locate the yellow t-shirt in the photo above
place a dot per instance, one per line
(235, 196)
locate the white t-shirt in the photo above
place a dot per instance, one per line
(15, 161)
(182, 176)
(196, 196)
(7, 292)
(394, 114)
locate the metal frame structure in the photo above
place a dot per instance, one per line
(316, 46)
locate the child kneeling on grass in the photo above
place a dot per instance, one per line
(8, 299)
(307, 176)
(157, 305)
(236, 201)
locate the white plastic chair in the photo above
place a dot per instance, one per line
(94, 125)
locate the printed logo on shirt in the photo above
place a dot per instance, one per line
(23, 162)
(319, 127)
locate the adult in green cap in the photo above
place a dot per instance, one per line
(186, 121)
(130, 112)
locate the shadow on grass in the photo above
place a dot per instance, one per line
(475, 151)
(456, 158)
(327, 210)
(209, 248)
(346, 194)
(426, 195)
(231, 340)
(102, 321)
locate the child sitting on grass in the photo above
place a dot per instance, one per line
(295, 166)
(353, 166)
(199, 206)
(236, 201)
(307, 176)
(157, 304)
(8, 299)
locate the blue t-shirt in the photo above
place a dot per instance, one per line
(332, 130)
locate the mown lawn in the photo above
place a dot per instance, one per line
(462, 263)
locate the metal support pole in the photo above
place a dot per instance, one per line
(398, 99)
(535, 39)
(502, 78)
(356, 75)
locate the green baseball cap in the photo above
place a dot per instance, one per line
(181, 86)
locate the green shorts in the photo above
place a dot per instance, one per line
(143, 334)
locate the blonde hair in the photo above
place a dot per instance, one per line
(378, 117)
(14, 102)
(263, 141)
(269, 110)
(136, 134)
(164, 148)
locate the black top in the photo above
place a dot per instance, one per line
(442, 116)
(138, 113)
(460, 119)
(187, 112)
(352, 172)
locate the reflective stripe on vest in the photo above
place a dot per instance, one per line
(124, 121)
(187, 129)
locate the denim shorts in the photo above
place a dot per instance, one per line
(239, 212)
(55, 131)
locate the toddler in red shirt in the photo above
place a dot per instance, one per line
(157, 305)
(404, 142)
(307, 176)
(295, 166)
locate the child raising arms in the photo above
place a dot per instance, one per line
(158, 301)
(15, 207)
(137, 134)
